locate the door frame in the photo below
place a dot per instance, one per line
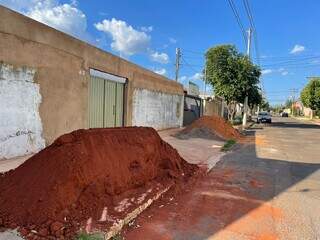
(109, 77)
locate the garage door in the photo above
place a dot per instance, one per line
(106, 93)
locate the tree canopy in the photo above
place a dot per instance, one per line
(310, 95)
(288, 103)
(232, 75)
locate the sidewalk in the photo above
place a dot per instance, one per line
(314, 120)
(12, 163)
(200, 151)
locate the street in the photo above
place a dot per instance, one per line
(266, 188)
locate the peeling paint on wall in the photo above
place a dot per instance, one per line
(20, 123)
(156, 109)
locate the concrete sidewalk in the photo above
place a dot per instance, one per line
(200, 151)
(8, 164)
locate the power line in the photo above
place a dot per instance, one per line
(194, 65)
(279, 91)
(193, 57)
(236, 15)
(298, 60)
(293, 66)
(194, 52)
(190, 65)
(255, 36)
(253, 26)
(288, 57)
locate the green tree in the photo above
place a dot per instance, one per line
(310, 95)
(254, 97)
(265, 105)
(277, 108)
(233, 76)
(288, 103)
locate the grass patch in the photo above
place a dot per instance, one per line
(236, 121)
(85, 236)
(229, 143)
(117, 237)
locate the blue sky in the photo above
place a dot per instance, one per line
(147, 33)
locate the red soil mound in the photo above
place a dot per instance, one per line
(216, 125)
(80, 173)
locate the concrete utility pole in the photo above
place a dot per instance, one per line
(205, 80)
(293, 96)
(245, 105)
(178, 56)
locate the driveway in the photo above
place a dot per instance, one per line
(267, 188)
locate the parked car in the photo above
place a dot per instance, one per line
(264, 117)
(284, 114)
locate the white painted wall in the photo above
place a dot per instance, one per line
(156, 109)
(20, 123)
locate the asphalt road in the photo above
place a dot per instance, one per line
(267, 188)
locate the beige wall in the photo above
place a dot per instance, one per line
(214, 106)
(62, 66)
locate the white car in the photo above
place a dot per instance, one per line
(264, 117)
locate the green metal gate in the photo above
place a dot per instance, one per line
(105, 103)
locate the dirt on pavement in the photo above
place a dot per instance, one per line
(212, 203)
(87, 176)
(267, 189)
(213, 127)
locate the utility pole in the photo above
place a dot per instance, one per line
(178, 56)
(293, 97)
(245, 105)
(205, 80)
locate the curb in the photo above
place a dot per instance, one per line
(118, 226)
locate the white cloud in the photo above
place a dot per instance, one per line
(125, 39)
(266, 71)
(185, 79)
(297, 49)
(283, 71)
(315, 61)
(159, 57)
(165, 46)
(129, 41)
(74, 3)
(196, 76)
(64, 17)
(172, 40)
(161, 71)
(147, 29)
(18, 5)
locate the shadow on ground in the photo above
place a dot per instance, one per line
(295, 125)
(231, 200)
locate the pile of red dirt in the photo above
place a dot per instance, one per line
(80, 174)
(216, 125)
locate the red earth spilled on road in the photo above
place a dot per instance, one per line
(87, 175)
(216, 125)
(214, 206)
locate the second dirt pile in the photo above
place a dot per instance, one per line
(211, 126)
